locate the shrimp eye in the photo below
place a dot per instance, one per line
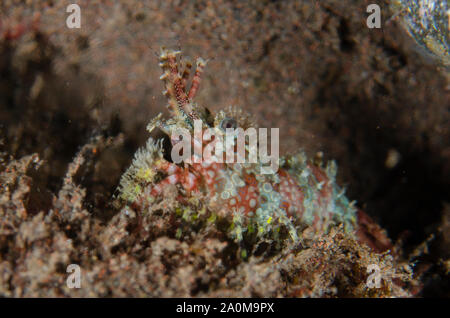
(228, 123)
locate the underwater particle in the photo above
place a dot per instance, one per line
(427, 21)
(392, 159)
